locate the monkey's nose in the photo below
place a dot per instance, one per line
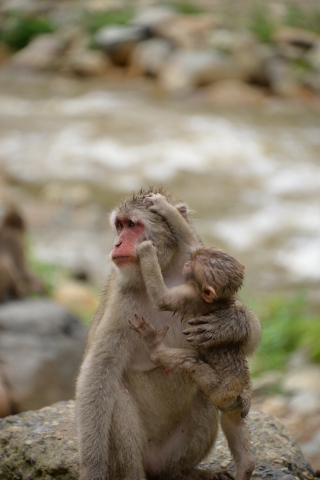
(118, 243)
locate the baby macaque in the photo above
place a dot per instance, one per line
(212, 279)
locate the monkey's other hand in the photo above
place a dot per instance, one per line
(147, 332)
(146, 248)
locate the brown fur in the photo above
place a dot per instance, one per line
(16, 280)
(212, 280)
(134, 421)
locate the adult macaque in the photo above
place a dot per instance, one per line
(134, 421)
(16, 280)
(212, 278)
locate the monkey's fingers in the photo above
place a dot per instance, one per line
(144, 326)
(133, 326)
(202, 339)
(203, 320)
(138, 324)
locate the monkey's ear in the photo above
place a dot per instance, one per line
(208, 294)
(183, 210)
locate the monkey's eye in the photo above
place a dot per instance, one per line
(119, 225)
(131, 223)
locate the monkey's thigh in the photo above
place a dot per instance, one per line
(188, 443)
(126, 440)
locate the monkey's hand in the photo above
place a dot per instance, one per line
(216, 329)
(150, 336)
(146, 248)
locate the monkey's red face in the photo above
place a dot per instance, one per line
(130, 232)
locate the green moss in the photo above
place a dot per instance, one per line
(17, 30)
(93, 21)
(261, 23)
(186, 8)
(287, 326)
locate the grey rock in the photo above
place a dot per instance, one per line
(42, 444)
(44, 53)
(233, 93)
(41, 348)
(280, 77)
(118, 41)
(186, 31)
(149, 57)
(299, 37)
(314, 57)
(151, 16)
(87, 63)
(186, 69)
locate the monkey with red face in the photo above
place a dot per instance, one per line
(134, 421)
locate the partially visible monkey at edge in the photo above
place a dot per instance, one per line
(16, 281)
(134, 421)
(212, 279)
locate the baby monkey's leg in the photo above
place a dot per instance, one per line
(236, 432)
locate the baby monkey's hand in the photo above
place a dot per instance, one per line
(145, 248)
(157, 203)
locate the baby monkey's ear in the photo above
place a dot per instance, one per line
(208, 294)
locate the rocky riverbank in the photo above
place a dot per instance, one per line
(223, 54)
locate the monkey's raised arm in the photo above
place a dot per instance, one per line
(176, 217)
(177, 299)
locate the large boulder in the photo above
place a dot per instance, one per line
(185, 31)
(187, 69)
(42, 444)
(45, 52)
(149, 57)
(41, 347)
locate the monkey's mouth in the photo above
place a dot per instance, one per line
(120, 260)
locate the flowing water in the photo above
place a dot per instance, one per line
(70, 149)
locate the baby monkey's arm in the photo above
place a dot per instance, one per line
(177, 299)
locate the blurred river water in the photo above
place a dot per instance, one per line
(70, 149)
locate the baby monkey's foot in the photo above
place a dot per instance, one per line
(151, 336)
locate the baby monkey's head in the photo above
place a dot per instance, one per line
(217, 274)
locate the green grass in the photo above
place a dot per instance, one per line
(307, 18)
(17, 30)
(93, 21)
(261, 24)
(287, 326)
(51, 275)
(186, 8)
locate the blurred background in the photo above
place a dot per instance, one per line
(219, 102)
